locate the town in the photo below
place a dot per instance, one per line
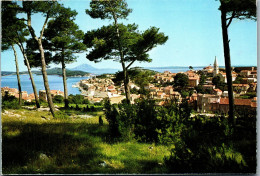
(208, 99)
(213, 99)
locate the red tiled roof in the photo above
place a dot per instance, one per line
(240, 85)
(223, 101)
(217, 90)
(238, 102)
(253, 104)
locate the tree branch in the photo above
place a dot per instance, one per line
(231, 18)
(29, 24)
(131, 63)
(45, 23)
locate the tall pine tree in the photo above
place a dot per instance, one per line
(119, 42)
(65, 39)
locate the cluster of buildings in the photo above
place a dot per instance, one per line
(162, 89)
(29, 97)
(217, 100)
(96, 89)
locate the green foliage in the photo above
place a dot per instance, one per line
(64, 37)
(203, 77)
(103, 43)
(238, 80)
(58, 99)
(112, 118)
(181, 80)
(108, 9)
(202, 90)
(10, 102)
(172, 119)
(77, 99)
(100, 120)
(240, 9)
(144, 121)
(212, 154)
(61, 115)
(219, 83)
(139, 76)
(14, 30)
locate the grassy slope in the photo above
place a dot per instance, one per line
(32, 144)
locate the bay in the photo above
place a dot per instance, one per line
(55, 83)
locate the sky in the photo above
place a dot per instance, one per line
(193, 28)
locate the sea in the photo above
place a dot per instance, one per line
(56, 83)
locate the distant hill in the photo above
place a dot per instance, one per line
(90, 69)
(52, 71)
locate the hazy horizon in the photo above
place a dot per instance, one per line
(194, 30)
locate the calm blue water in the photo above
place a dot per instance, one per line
(55, 83)
(175, 69)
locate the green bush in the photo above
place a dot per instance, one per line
(146, 121)
(113, 119)
(205, 144)
(100, 120)
(61, 115)
(10, 102)
(58, 99)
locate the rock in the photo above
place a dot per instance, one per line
(44, 117)
(103, 164)
(46, 109)
(16, 115)
(43, 156)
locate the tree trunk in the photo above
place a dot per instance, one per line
(66, 101)
(44, 73)
(31, 76)
(18, 76)
(126, 78)
(45, 79)
(126, 85)
(227, 63)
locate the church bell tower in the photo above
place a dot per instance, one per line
(216, 69)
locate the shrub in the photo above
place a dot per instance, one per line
(204, 159)
(58, 99)
(145, 121)
(61, 115)
(112, 118)
(10, 102)
(100, 120)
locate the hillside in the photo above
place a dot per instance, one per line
(90, 69)
(52, 71)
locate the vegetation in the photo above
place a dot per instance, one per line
(233, 9)
(32, 144)
(86, 137)
(219, 83)
(181, 81)
(65, 39)
(119, 42)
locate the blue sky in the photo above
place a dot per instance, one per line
(193, 27)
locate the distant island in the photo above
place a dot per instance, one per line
(52, 71)
(80, 70)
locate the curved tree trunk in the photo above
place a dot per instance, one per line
(18, 76)
(126, 78)
(45, 79)
(31, 76)
(44, 73)
(227, 63)
(66, 101)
